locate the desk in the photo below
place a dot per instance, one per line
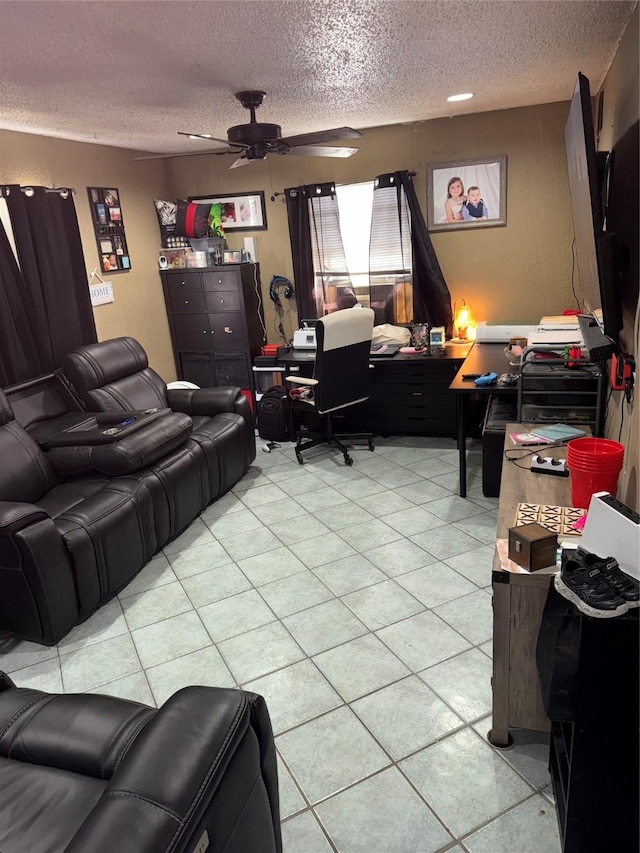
(483, 358)
(518, 601)
(410, 392)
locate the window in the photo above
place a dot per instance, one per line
(361, 243)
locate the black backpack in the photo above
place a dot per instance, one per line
(274, 415)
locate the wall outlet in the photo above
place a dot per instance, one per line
(549, 465)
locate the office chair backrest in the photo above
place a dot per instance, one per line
(342, 359)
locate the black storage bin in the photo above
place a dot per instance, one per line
(588, 670)
(500, 412)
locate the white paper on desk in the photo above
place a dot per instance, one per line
(507, 565)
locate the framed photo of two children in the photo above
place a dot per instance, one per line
(467, 194)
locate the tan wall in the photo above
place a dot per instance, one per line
(620, 112)
(138, 309)
(515, 273)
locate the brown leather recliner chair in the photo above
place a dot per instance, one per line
(115, 374)
(95, 774)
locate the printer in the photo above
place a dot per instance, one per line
(305, 337)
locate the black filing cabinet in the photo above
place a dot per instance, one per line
(216, 323)
(412, 394)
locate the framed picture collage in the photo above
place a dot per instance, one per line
(108, 225)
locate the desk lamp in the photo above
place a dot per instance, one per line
(464, 324)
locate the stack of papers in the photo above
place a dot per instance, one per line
(556, 330)
(558, 321)
(554, 337)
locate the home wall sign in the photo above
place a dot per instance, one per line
(108, 225)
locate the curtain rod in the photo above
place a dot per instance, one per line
(30, 191)
(276, 194)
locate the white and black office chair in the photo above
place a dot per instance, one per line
(341, 377)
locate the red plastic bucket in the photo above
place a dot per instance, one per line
(594, 465)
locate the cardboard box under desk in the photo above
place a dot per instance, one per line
(532, 546)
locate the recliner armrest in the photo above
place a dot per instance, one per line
(15, 515)
(39, 599)
(80, 734)
(176, 766)
(128, 452)
(204, 401)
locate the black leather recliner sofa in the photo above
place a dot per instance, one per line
(95, 774)
(65, 547)
(79, 520)
(115, 375)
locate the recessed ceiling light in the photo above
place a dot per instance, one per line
(464, 97)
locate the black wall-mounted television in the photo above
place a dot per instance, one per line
(596, 251)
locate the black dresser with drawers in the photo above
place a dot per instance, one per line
(216, 323)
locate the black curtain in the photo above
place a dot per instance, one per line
(301, 250)
(431, 297)
(48, 299)
(316, 248)
(22, 354)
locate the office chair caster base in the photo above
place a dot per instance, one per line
(347, 459)
(372, 445)
(299, 458)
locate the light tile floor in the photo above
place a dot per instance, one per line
(358, 602)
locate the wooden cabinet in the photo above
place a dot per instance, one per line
(216, 323)
(518, 603)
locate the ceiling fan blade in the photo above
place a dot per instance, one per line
(188, 154)
(211, 139)
(241, 161)
(323, 151)
(322, 136)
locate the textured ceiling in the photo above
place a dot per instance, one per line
(131, 74)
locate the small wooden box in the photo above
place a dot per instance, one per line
(532, 546)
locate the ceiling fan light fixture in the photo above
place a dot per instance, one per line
(257, 139)
(463, 97)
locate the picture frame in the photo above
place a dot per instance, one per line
(240, 211)
(108, 225)
(482, 203)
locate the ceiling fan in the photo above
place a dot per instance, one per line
(257, 139)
